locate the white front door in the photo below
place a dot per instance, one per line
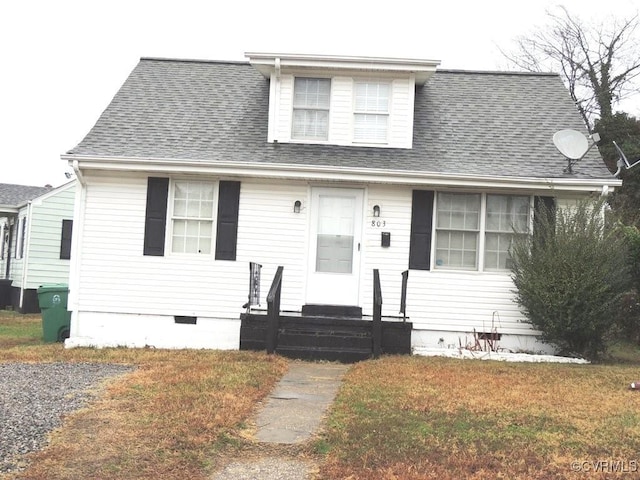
(334, 253)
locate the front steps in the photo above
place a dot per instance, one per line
(325, 333)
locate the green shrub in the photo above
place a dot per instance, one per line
(629, 319)
(570, 277)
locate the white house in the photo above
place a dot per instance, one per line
(35, 241)
(329, 166)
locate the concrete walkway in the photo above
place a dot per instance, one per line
(290, 416)
(296, 407)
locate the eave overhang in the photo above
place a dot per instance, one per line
(168, 166)
(270, 63)
(9, 210)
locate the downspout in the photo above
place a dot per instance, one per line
(76, 248)
(7, 272)
(26, 246)
(276, 100)
(78, 172)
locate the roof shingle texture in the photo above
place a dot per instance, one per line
(17, 195)
(470, 123)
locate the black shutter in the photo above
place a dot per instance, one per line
(544, 206)
(227, 230)
(65, 239)
(421, 221)
(156, 216)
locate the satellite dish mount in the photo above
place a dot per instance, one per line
(622, 161)
(573, 145)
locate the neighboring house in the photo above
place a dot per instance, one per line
(35, 240)
(328, 166)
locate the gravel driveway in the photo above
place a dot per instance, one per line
(34, 397)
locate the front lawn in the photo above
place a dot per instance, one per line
(183, 413)
(420, 418)
(169, 419)
(16, 329)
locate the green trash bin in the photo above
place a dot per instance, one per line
(56, 320)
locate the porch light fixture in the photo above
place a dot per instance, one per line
(296, 206)
(376, 210)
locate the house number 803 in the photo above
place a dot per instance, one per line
(378, 223)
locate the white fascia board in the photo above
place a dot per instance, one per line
(8, 210)
(265, 63)
(333, 173)
(51, 193)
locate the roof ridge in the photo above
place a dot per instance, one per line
(193, 60)
(498, 72)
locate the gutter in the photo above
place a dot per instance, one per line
(76, 170)
(321, 172)
(26, 247)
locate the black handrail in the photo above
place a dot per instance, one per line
(377, 315)
(273, 311)
(403, 295)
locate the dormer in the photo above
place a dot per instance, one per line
(342, 100)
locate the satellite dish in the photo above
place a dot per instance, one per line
(571, 143)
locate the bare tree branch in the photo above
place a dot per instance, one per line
(598, 63)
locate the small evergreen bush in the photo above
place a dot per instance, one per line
(571, 276)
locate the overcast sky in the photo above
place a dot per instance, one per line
(63, 60)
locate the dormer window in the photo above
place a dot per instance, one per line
(371, 112)
(342, 100)
(311, 108)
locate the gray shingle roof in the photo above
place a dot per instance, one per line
(473, 123)
(16, 195)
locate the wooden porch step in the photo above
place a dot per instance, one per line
(346, 311)
(323, 340)
(343, 355)
(343, 339)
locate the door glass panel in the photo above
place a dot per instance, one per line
(336, 217)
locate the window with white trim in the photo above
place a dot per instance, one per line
(476, 231)
(192, 217)
(311, 108)
(371, 111)
(506, 217)
(457, 230)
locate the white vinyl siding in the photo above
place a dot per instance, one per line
(44, 262)
(116, 285)
(399, 128)
(271, 233)
(438, 299)
(115, 277)
(463, 301)
(40, 262)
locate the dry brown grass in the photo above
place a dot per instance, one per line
(422, 418)
(166, 420)
(181, 414)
